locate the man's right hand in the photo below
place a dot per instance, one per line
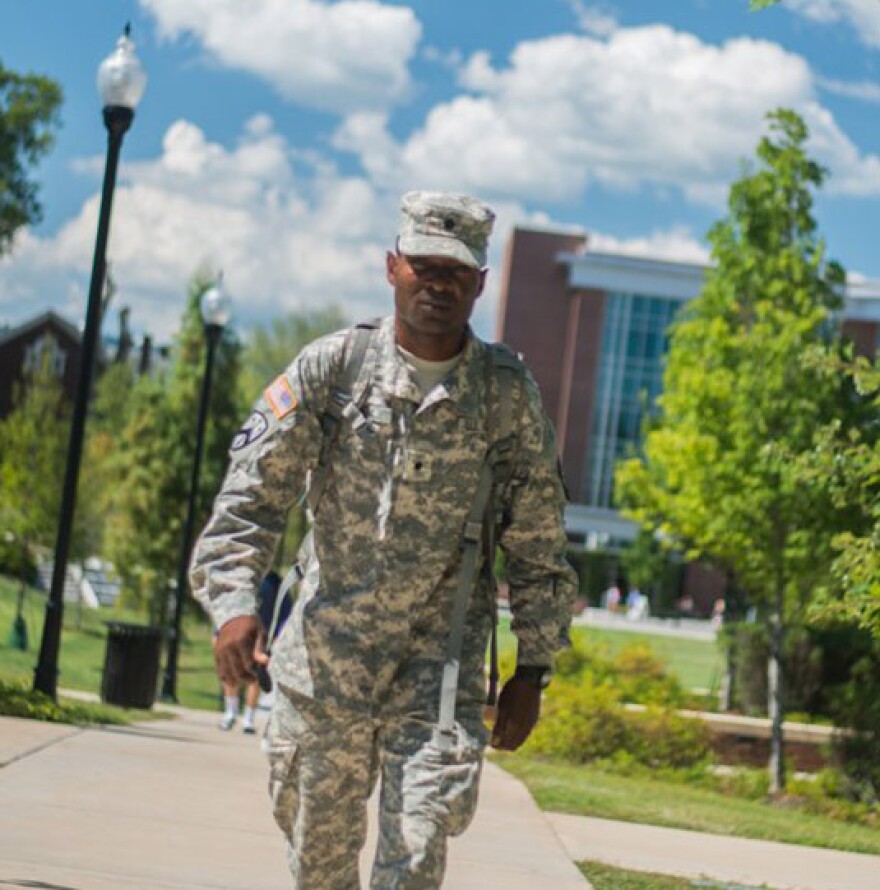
(234, 650)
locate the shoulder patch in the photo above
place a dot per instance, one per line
(280, 397)
(254, 428)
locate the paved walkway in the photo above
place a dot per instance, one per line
(179, 804)
(692, 854)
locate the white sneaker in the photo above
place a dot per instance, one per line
(227, 721)
(247, 727)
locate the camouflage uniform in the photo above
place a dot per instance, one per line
(361, 657)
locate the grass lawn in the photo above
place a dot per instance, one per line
(84, 641)
(696, 663)
(588, 791)
(604, 877)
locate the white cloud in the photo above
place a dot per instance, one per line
(288, 235)
(676, 244)
(595, 20)
(862, 15)
(863, 90)
(288, 232)
(648, 107)
(333, 56)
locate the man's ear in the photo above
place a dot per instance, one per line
(482, 282)
(391, 260)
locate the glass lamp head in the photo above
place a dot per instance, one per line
(121, 77)
(215, 305)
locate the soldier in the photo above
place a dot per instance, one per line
(379, 672)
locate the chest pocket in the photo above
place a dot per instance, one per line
(364, 440)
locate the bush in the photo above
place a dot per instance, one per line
(580, 722)
(635, 672)
(17, 699)
(858, 710)
(586, 721)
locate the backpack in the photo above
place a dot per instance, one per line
(347, 393)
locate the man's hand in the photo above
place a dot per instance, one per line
(518, 708)
(235, 650)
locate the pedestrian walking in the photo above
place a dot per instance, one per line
(420, 447)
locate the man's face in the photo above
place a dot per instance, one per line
(434, 296)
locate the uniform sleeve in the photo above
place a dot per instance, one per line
(269, 462)
(542, 583)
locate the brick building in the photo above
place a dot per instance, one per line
(24, 348)
(592, 325)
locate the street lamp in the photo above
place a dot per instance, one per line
(215, 315)
(121, 83)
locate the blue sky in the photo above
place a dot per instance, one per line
(276, 136)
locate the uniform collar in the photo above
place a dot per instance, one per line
(462, 388)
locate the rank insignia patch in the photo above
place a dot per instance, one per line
(254, 427)
(280, 397)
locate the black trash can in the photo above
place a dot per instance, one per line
(131, 665)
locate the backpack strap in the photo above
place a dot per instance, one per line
(479, 529)
(345, 400)
(467, 572)
(504, 438)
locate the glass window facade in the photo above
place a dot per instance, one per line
(634, 343)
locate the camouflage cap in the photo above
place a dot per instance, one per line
(445, 224)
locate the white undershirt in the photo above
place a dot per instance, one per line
(428, 374)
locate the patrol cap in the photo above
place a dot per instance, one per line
(445, 224)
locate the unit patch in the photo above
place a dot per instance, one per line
(280, 397)
(254, 428)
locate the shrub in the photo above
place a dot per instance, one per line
(858, 710)
(17, 699)
(580, 722)
(635, 672)
(585, 721)
(664, 739)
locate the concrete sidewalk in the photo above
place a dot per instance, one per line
(729, 859)
(175, 804)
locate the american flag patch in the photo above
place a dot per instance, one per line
(280, 397)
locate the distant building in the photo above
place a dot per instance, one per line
(24, 348)
(593, 327)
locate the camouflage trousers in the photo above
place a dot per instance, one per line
(324, 763)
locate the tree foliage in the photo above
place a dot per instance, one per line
(846, 463)
(33, 444)
(29, 117)
(149, 469)
(269, 350)
(742, 400)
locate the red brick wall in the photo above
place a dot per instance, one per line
(534, 310)
(580, 382)
(863, 335)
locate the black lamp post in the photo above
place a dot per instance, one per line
(121, 83)
(215, 315)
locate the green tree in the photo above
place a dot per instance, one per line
(846, 462)
(741, 401)
(29, 117)
(33, 443)
(150, 469)
(269, 350)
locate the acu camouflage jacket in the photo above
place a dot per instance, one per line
(370, 625)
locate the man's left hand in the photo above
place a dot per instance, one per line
(519, 706)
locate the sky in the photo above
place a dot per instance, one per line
(276, 137)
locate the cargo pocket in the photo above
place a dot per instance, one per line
(284, 784)
(454, 775)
